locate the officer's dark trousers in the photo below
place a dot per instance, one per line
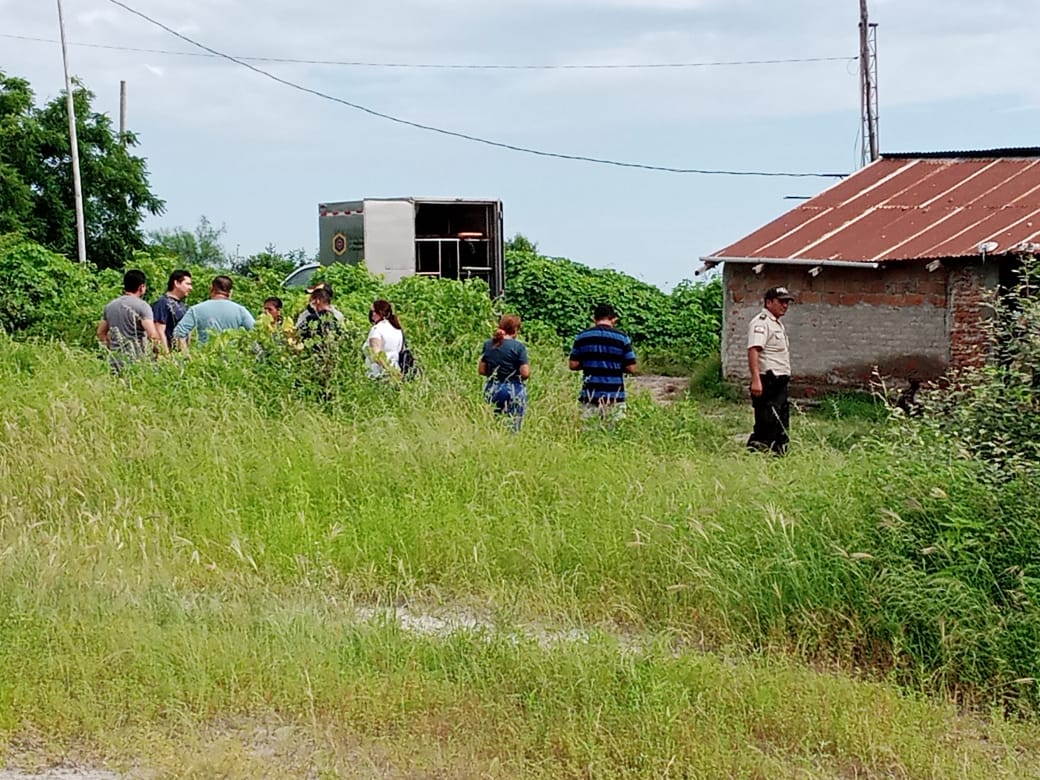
(772, 415)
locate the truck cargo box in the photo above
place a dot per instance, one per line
(398, 237)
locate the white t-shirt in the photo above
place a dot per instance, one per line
(393, 343)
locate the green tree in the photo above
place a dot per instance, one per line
(199, 247)
(36, 189)
(278, 263)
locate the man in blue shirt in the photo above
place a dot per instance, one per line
(604, 355)
(217, 314)
(170, 307)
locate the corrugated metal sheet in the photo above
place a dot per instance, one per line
(910, 207)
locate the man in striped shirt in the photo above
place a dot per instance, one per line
(604, 355)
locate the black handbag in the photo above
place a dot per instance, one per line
(406, 361)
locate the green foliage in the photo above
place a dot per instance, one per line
(895, 555)
(959, 579)
(280, 264)
(992, 411)
(956, 590)
(853, 405)
(36, 189)
(905, 553)
(250, 291)
(673, 331)
(201, 247)
(46, 294)
(706, 380)
(912, 552)
(445, 320)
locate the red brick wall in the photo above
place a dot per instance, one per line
(971, 288)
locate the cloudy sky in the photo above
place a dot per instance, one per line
(257, 156)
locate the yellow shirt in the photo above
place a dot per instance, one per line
(768, 333)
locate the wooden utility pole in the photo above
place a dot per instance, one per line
(122, 113)
(868, 84)
(81, 238)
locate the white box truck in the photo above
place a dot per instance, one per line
(397, 237)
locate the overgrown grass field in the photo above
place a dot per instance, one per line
(203, 571)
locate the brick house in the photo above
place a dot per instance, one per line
(891, 266)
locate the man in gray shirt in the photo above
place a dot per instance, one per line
(127, 324)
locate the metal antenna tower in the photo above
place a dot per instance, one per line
(868, 85)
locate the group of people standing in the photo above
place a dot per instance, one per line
(130, 328)
(603, 353)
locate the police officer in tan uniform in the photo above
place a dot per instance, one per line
(769, 360)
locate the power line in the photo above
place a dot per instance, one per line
(453, 133)
(446, 66)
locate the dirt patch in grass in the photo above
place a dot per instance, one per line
(663, 389)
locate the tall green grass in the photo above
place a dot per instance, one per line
(189, 543)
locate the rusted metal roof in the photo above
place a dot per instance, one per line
(909, 207)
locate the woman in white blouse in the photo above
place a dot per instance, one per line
(385, 340)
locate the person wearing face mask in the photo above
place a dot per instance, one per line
(309, 312)
(319, 323)
(384, 342)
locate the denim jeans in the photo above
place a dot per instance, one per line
(509, 398)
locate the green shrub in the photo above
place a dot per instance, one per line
(671, 331)
(46, 294)
(991, 410)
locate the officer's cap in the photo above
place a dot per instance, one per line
(779, 294)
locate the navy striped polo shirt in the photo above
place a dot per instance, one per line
(603, 352)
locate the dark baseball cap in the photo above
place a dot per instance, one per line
(779, 294)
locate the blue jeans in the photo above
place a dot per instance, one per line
(509, 398)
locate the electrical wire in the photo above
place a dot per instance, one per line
(456, 134)
(444, 66)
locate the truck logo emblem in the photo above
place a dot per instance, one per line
(339, 244)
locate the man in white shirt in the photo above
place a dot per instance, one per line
(769, 361)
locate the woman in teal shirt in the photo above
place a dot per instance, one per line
(504, 363)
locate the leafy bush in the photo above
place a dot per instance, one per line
(46, 294)
(991, 410)
(672, 331)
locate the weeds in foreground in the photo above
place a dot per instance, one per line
(188, 543)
